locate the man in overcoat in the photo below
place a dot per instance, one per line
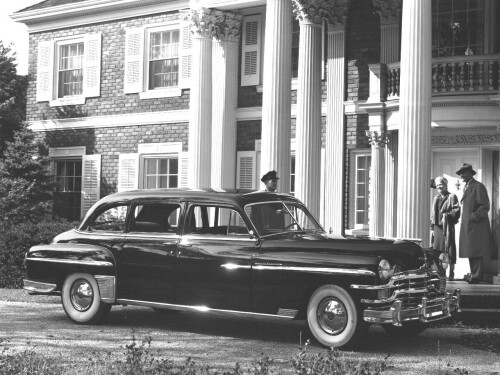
(475, 228)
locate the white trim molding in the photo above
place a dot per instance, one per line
(94, 122)
(91, 12)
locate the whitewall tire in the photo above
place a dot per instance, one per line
(333, 317)
(81, 299)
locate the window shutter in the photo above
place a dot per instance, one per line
(45, 71)
(185, 58)
(183, 169)
(250, 50)
(128, 172)
(91, 181)
(246, 177)
(92, 66)
(134, 60)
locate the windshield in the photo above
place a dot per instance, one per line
(278, 217)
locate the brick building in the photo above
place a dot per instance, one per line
(356, 103)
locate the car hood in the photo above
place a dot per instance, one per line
(319, 248)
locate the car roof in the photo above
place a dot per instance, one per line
(234, 196)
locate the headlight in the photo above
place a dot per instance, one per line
(444, 261)
(385, 271)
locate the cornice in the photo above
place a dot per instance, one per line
(93, 11)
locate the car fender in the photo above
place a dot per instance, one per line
(48, 266)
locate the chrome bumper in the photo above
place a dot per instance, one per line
(38, 287)
(426, 311)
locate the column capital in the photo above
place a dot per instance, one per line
(208, 23)
(389, 11)
(317, 11)
(377, 138)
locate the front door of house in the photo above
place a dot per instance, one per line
(446, 163)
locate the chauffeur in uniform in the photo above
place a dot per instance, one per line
(270, 180)
(475, 228)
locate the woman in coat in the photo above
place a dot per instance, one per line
(445, 214)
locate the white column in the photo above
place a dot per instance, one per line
(308, 125)
(200, 104)
(391, 167)
(335, 126)
(414, 162)
(377, 183)
(390, 16)
(225, 99)
(276, 101)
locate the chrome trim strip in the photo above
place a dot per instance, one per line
(203, 309)
(344, 271)
(38, 287)
(280, 267)
(73, 261)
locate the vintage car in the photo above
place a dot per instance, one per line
(236, 252)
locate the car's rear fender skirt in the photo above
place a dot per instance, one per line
(53, 263)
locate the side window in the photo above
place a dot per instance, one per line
(159, 218)
(110, 220)
(216, 220)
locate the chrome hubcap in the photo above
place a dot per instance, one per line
(81, 295)
(332, 316)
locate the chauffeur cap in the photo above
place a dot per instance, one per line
(271, 175)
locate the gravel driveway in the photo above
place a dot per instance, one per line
(39, 321)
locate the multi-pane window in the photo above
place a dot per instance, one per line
(70, 68)
(292, 175)
(161, 172)
(163, 59)
(457, 27)
(68, 186)
(362, 185)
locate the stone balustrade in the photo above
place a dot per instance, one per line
(450, 75)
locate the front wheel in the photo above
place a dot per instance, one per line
(411, 328)
(333, 317)
(81, 299)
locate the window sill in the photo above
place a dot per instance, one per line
(73, 100)
(163, 93)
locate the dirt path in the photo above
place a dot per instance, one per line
(217, 341)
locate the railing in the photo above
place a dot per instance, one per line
(453, 75)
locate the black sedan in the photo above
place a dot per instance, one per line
(238, 253)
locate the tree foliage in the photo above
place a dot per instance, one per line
(24, 181)
(13, 90)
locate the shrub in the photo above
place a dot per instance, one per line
(15, 241)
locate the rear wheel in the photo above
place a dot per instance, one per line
(81, 299)
(412, 328)
(333, 317)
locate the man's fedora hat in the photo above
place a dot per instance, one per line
(271, 175)
(466, 167)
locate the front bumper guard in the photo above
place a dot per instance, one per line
(427, 311)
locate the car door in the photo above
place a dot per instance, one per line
(149, 252)
(215, 254)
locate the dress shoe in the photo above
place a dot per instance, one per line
(473, 281)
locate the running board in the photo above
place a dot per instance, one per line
(283, 314)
